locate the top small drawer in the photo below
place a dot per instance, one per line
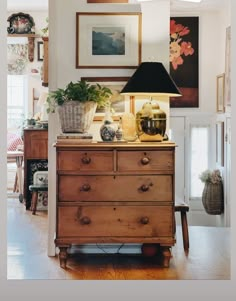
(145, 161)
(85, 161)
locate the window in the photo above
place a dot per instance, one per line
(16, 95)
(199, 160)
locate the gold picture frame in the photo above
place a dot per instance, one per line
(118, 102)
(108, 40)
(220, 93)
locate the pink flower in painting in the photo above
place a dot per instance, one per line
(179, 48)
(186, 48)
(176, 62)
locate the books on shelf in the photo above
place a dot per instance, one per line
(75, 138)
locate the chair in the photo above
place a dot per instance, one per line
(17, 156)
(35, 189)
(183, 208)
(40, 184)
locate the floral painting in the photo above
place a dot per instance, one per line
(184, 60)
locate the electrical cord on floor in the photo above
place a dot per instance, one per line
(117, 252)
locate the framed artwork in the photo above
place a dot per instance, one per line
(184, 60)
(40, 50)
(228, 67)
(108, 40)
(220, 89)
(220, 143)
(107, 1)
(118, 103)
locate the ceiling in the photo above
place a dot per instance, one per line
(29, 5)
(32, 5)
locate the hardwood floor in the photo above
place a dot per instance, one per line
(208, 256)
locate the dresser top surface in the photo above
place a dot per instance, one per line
(115, 145)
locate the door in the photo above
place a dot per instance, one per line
(177, 135)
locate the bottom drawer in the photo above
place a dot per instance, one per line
(115, 221)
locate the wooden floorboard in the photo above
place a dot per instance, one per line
(208, 256)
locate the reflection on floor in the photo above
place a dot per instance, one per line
(208, 257)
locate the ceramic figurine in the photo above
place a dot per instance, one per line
(119, 131)
(107, 131)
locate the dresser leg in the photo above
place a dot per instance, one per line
(63, 256)
(166, 254)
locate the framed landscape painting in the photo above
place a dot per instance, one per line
(118, 103)
(108, 40)
(184, 60)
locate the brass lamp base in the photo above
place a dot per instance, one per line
(151, 138)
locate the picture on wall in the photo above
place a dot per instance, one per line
(184, 60)
(40, 50)
(108, 40)
(118, 104)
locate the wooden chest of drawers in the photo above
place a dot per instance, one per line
(115, 193)
(35, 150)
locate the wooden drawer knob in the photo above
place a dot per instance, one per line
(85, 220)
(144, 220)
(86, 160)
(144, 187)
(145, 160)
(85, 187)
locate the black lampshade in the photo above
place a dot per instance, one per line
(151, 78)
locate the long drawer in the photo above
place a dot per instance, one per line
(138, 188)
(85, 161)
(144, 161)
(114, 221)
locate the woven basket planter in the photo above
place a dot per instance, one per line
(76, 117)
(213, 198)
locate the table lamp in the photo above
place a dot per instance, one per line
(151, 79)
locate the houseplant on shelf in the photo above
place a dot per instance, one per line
(212, 195)
(77, 104)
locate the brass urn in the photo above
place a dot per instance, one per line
(151, 122)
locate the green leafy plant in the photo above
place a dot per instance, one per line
(46, 28)
(80, 91)
(213, 177)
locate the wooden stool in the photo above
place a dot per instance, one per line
(183, 209)
(35, 189)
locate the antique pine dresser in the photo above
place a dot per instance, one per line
(35, 153)
(115, 193)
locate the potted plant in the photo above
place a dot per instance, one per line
(212, 195)
(77, 104)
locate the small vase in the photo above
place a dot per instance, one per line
(108, 130)
(129, 127)
(119, 132)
